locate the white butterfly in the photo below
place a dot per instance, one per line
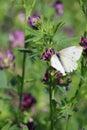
(66, 59)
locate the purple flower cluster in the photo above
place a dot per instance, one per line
(59, 7)
(28, 101)
(6, 59)
(16, 38)
(33, 20)
(83, 43)
(30, 125)
(59, 79)
(59, 74)
(47, 54)
(62, 82)
(46, 76)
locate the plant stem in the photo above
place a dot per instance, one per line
(23, 68)
(22, 80)
(67, 123)
(81, 81)
(51, 109)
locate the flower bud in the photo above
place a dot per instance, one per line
(34, 21)
(59, 7)
(47, 54)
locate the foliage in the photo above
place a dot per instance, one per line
(32, 96)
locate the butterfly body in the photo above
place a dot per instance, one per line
(65, 60)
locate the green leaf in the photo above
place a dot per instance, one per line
(34, 39)
(61, 89)
(34, 32)
(14, 127)
(24, 50)
(81, 77)
(3, 79)
(9, 127)
(29, 6)
(25, 127)
(81, 2)
(28, 80)
(59, 25)
(6, 127)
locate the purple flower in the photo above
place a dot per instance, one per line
(10, 55)
(21, 126)
(47, 54)
(68, 30)
(83, 42)
(28, 101)
(63, 82)
(46, 77)
(33, 20)
(31, 125)
(59, 74)
(60, 81)
(59, 7)
(6, 59)
(16, 38)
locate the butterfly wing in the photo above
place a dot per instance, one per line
(69, 57)
(73, 52)
(68, 63)
(56, 64)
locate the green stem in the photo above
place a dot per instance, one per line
(22, 80)
(67, 123)
(23, 70)
(51, 109)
